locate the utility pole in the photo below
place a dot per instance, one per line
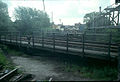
(100, 9)
(60, 21)
(52, 16)
(93, 19)
(43, 5)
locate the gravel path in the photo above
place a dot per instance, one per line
(43, 69)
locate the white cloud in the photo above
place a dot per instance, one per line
(112, 2)
(87, 6)
(71, 21)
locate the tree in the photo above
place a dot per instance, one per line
(4, 17)
(29, 19)
(96, 19)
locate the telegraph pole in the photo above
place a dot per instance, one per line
(43, 5)
(60, 21)
(100, 9)
(93, 19)
(52, 16)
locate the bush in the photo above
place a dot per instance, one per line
(3, 60)
(93, 72)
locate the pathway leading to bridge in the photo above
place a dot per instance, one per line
(44, 68)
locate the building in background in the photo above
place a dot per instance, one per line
(80, 26)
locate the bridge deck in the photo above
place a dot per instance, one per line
(63, 49)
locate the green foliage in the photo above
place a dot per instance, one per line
(3, 60)
(5, 21)
(30, 19)
(14, 52)
(93, 72)
(11, 51)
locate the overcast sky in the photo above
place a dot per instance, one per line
(69, 11)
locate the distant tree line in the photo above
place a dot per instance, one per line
(26, 20)
(5, 22)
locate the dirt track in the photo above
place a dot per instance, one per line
(43, 68)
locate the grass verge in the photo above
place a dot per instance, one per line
(4, 61)
(105, 73)
(11, 51)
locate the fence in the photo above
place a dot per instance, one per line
(80, 44)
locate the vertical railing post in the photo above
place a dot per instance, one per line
(42, 39)
(16, 38)
(67, 42)
(10, 37)
(5, 38)
(54, 41)
(119, 62)
(109, 17)
(83, 44)
(0, 37)
(20, 39)
(33, 40)
(109, 46)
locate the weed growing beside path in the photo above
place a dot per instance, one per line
(105, 73)
(4, 62)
